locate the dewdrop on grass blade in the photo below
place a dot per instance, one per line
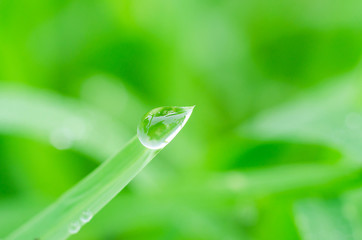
(74, 227)
(160, 125)
(78, 205)
(86, 216)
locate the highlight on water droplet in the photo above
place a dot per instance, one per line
(86, 216)
(74, 227)
(160, 125)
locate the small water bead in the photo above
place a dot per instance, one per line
(86, 216)
(74, 227)
(159, 126)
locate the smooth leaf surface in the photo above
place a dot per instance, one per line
(79, 204)
(326, 115)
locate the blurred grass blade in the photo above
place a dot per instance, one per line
(64, 122)
(352, 208)
(318, 219)
(77, 206)
(327, 114)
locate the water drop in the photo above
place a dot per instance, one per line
(74, 227)
(86, 216)
(160, 125)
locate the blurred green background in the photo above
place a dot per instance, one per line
(273, 149)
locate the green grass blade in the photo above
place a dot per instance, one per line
(78, 205)
(352, 208)
(52, 118)
(326, 114)
(322, 219)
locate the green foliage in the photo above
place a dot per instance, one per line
(273, 151)
(78, 205)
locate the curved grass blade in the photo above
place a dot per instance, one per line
(64, 122)
(77, 206)
(327, 114)
(322, 219)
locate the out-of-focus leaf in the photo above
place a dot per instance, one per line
(322, 219)
(281, 178)
(14, 211)
(329, 114)
(352, 208)
(63, 122)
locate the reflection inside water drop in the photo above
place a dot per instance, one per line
(159, 126)
(86, 216)
(74, 227)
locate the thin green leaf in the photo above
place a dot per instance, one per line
(327, 114)
(77, 206)
(63, 122)
(318, 219)
(352, 208)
